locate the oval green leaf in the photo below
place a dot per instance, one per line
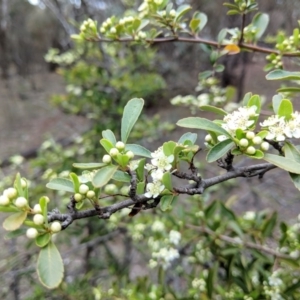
(107, 145)
(75, 180)
(201, 123)
(138, 150)
(213, 109)
(103, 176)
(131, 113)
(167, 181)
(61, 184)
(121, 176)
(109, 135)
(219, 150)
(43, 239)
(285, 109)
(166, 202)
(87, 166)
(260, 21)
(50, 266)
(284, 163)
(14, 221)
(188, 136)
(282, 74)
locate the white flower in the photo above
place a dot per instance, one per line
(249, 215)
(154, 189)
(239, 119)
(292, 129)
(276, 132)
(162, 162)
(174, 237)
(222, 138)
(271, 121)
(157, 175)
(158, 226)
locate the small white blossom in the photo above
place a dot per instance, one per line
(158, 226)
(174, 237)
(154, 189)
(157, 175)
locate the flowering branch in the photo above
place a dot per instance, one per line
(146, 202)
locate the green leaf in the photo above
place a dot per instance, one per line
(283, 163)
(222, 35)
(167, 181)
(219, 150)
(61, 184)
(269, 226)
(87, 166)
(203, 19)
(43, 239)
(194, 24)
(240, 134)
(103, 176)
(131, 113)
(75, 180)
(291, 89)
(285, 109)
(201, 123)
(44, 207)
(121, 176)
(276, 100)
(107, 145)
(182, 10)
(18, 186)
(219, 68)
(168, 148)
(8, 208)
(138, 150)
(50, 266)
(262, 134)
(260, 21)
(213, 109)
(14, 221)
(188, 136)
(282, 74)
(246, 98)
(166, 202)
(257, 155)
(255, 101)
(141, 188)
(141, 169)
(109, 135)
(290, 151)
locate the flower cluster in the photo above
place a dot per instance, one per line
(273, 287)
(279, 128)
(160, 164)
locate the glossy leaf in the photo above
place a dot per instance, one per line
(109, 135)
(138, 150)
(255, 101)
(107, 145)
(201, 123)
(188, 136)
(43, 239)
(168, 148)
(291, 89)
(257, 155)
(166, 202)
(103, 176)
(15, 221)
(282, 74)
(121, 176)
(276, 100)
(18, 185)
(131, 113)
(219, 150)
(44, 207)
(181, 11)
(75, 180)
(246, 98)
(61, 184)
(260, 21)
(213, 109)
(87, 166)
(8, 208)
(141, 169)
(167, 181)
(285, 109)
(50, 266)
(283, 163)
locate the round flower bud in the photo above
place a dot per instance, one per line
(21, 202)
(106, 159)
(78, 197)
(83, 189)
(47, 199)
(208, 138)
(257, 140)
(4, 200)
(251, 150)
(113, 152)
(38, 219)
(173, 13)
(32, 233)
(120, 145)
(113, 30)
(110, 189)
(250, 135)
(11, 193)
(37, 209)
(55, 226)
(130, 154)
(244, 142)
(90, 194)
(265, 146)
(124, 190)
(23, 183)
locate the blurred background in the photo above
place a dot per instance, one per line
(57, 96)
